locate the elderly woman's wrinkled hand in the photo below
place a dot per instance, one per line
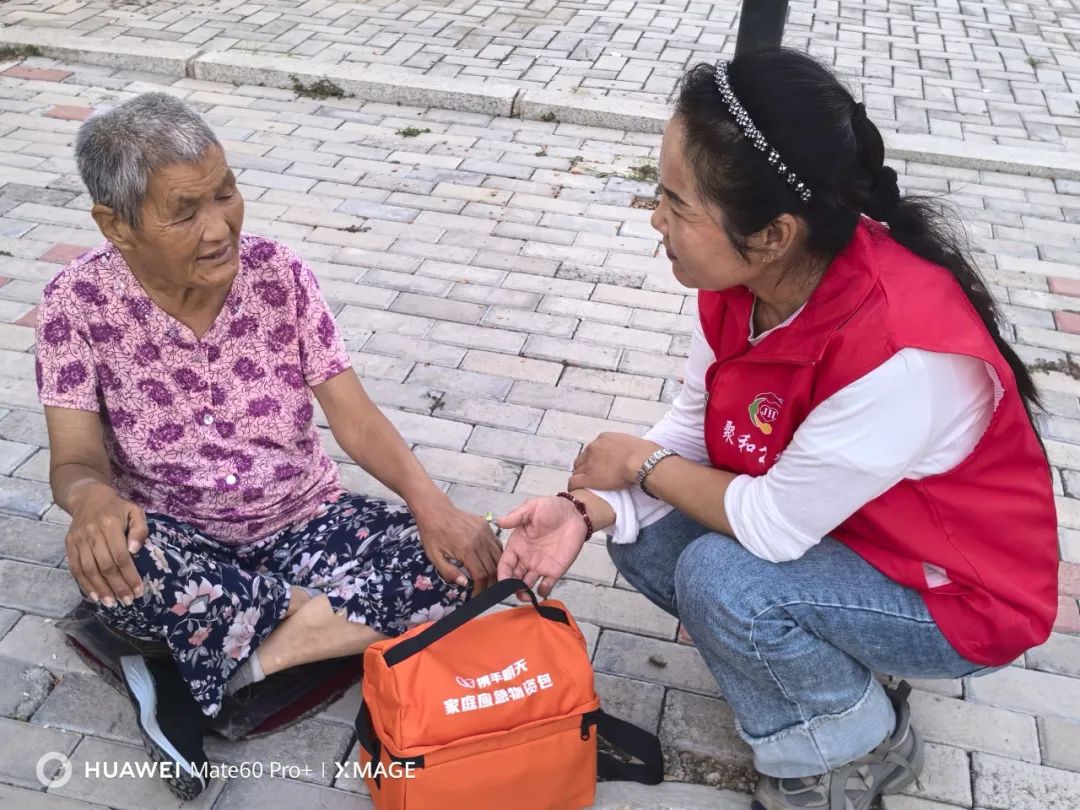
(450, 535)
(105, 532)
(610, 461)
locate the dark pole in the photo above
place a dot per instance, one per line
(761, 25)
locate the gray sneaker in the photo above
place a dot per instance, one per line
(889, 768)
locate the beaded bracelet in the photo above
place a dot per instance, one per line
(582, 510)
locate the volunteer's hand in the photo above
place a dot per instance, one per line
(610, 461)
(105, 531)
(548, 536)
(448, 534)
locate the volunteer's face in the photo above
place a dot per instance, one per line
(702, 257)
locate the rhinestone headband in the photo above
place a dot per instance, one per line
(753, 134)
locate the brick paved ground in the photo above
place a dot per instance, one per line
(1001, 71)
(503, 301)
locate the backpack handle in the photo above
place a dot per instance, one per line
(503, 589)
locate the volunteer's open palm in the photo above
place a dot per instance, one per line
(548, 536)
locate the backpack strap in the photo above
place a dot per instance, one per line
(501, 590)
(370, 742)
(629, 739)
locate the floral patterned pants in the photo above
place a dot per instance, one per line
(213, 604)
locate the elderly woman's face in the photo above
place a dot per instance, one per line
(702, 256)
(189, 235)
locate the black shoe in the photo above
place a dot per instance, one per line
(171, 722)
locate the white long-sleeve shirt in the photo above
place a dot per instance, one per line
(918, 414)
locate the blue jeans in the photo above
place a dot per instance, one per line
(793, 646)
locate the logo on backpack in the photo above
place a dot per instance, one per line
(504, 694)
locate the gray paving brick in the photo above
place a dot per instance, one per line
(37, 641)
(572, 352)
(623, 337)
(311, 744)
(495, 296)
(900, 802)
(413, 348)
(356, 480)
(35, 800)
(946, 777)
(370, 320)
(22, 744)
(586, 310)
(480, 501)
(459, 334)
(88, 705)
(242, 794)
(639, 411)
(429, 431)
(490, 412)
(407, 282)
(23, 688)
(445, 379)
(254, 177)
(376, 365)
(347, 292)
(428, 307)
(608, 382)
(130, 794)
(699, 736)
(1004, 784)
(1060, 743)
(563, 398)
(593, 564)
(664, 662)
(406, 396)
(513, 367)
(466, 468)
(538, 481)
(31, 540)
(638, 702)
(1060, 655)
(22, 497)
(974, 727)
(614, 609)
(8, 617)
(521, 447)
(583, 428)
(1029, 691)
(16, 338)
(36, 468)
(535, 322)
(37, 589)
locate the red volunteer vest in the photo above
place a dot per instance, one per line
(990, 522)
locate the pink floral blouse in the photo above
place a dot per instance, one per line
(216, 432)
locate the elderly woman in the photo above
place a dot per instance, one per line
(178, 364)
(849, 482)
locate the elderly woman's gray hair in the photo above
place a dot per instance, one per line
(119, 149)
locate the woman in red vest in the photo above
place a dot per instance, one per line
(850, 481)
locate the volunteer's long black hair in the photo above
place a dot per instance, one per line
(812, 120)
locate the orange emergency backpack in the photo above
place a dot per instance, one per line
(489, 712)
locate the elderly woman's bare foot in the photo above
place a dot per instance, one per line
(313, 633)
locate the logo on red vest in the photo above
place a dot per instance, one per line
(764, 410)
